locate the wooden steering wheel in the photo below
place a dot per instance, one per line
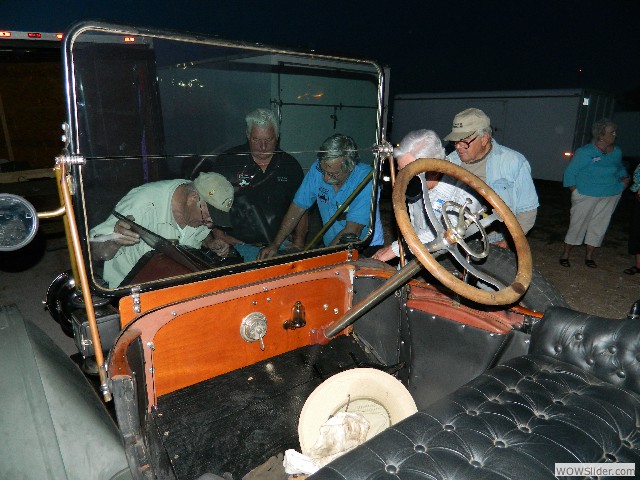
(450, 238)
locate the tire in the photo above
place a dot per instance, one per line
(501, 264)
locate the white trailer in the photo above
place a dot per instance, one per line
(546, 126)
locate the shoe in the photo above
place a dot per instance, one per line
(631, 271)
(565, 262)
(590, 263)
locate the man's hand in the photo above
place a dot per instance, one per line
(267, 252)
(217, 246)
(384, 254)
(126, 237)
(501, 244)
(105, 247)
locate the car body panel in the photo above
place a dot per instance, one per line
(51, 418)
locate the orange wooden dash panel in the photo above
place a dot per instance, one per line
(157, 298)
(199, 338)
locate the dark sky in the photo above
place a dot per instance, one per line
(430, 46)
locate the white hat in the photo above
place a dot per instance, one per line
(468, 122)
(376, 395)
(215, 190)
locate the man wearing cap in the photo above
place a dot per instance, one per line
(265, 179)
(503, 169)
(174, 209)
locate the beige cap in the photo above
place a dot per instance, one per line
(217, 191)
(466, 123)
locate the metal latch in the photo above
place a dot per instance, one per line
(135, 296)
(253, 327)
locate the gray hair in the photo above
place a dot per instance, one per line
(262, 118)
(600, 126)
(421, 144)
(488, 130)
(337, 146)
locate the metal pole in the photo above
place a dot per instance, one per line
(394, 282)
(83, 279)
(341, 209)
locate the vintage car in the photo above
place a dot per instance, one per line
(213, 367)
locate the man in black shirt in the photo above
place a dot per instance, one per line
(265, 179)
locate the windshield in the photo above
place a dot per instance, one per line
(197, 149)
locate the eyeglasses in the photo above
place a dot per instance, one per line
(466, 143)
(335, 176)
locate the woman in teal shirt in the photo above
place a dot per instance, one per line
(596, 178)
(634, 233)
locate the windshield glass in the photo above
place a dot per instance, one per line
(195, 151)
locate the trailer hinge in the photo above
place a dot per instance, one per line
(385, 149)
(75, 160)
(70, 159)
(135, 295)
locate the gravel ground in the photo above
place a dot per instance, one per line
(605, 291)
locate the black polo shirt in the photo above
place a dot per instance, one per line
(261, 198)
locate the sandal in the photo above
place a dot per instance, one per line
(565, 262)
(631, 271)
(590, 263)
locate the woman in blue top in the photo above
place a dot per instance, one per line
(596, 178)
(634, 233)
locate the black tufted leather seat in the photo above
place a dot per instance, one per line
(574, 398)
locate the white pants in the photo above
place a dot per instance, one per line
(590, 218)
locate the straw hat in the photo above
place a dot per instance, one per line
(376, 395)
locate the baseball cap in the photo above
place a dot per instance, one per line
(466, 123)
(217, 191)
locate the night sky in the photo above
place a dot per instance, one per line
(430, 46)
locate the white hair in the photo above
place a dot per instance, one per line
(421, 144)
(262, 118)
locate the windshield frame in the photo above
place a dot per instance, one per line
(79, 169)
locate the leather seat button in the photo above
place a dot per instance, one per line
(578, 336)
(558, 402)
(611, 457)
(473, 413)
(613, 349)
(512, 390)
(449, 428)
(420, 448)
(499, 444)
(591, 361)
(627, 444)
(475, 463)
(392, 469)
(558, 348)
(524, 429)
(621, 374)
